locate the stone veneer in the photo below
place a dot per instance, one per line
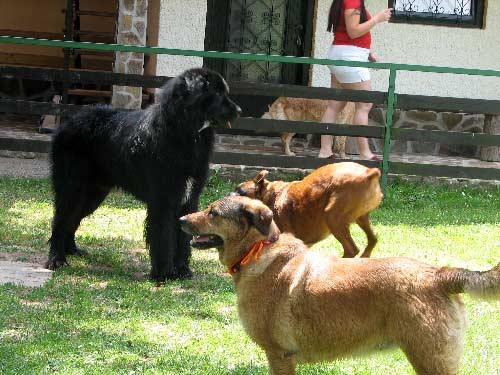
(131, 29)
(427, 120)
(430, 120)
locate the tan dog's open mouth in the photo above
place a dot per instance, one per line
(206, 241)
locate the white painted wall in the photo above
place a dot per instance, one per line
(426, 45)
(182, 25)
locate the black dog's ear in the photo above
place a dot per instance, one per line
(173, 93)
(260, 217)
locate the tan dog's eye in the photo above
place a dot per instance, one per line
(212, 213)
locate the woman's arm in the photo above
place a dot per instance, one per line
(355, 29)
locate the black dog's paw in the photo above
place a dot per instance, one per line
(184, 273)
(54, 264)
(77, 251)
(178, 274)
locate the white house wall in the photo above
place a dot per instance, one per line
(182, 25)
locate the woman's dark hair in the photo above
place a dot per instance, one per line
(335, 10)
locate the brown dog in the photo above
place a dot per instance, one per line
(300, 109)
(305, 306)
(325, 202)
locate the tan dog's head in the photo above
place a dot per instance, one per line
(254, 188)
(232, 225)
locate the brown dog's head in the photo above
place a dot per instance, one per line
(254, 188)
(232, 225)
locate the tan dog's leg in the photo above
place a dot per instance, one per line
(438, 356)
(280, 365)
(364, 223)
(346, 116)
(339, 145)
(285, 143)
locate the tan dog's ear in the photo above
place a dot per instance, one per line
(260, 217)
(260, 176)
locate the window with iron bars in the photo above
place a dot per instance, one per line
(458, 13)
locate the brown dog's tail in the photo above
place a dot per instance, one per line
(484, 284)
(373, 172)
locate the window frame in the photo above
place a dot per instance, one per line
(475, 21)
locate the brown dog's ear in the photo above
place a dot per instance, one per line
(260, 176)
(260, 217)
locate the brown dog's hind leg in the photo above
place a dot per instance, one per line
(364, 223)
(280, 363)
(340, 230)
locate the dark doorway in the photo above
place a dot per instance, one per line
(277, 27)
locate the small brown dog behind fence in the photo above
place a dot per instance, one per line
(303, 306)
(327, 201)
(300, 109)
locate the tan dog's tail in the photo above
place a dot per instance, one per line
(484, 284)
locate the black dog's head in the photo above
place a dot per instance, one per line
(203, 96)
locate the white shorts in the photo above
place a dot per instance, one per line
(349, 74)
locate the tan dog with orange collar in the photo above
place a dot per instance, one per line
(304, 306)
(327, 201)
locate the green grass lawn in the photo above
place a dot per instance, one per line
(101, 315)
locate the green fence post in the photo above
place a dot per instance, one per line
(391, 102)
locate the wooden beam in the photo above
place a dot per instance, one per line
(447, 104)
(279, 161)
(26, 145)
(446, 137)
(82, 76)
(36, 108)
(306, 127)
(272, 89)
(441, 170)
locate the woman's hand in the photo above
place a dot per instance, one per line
(383, 16)
(356, 29)
(372, 57)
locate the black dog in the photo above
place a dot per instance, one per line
(160, 155)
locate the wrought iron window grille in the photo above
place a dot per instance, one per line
(459, 13)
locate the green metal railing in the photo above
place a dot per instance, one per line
(393, 68)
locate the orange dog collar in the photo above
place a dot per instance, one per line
(255, 252)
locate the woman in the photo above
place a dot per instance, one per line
(351, 23)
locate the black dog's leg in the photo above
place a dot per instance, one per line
(183, 250)
(161, 225)
(93, 199)
(68, 201)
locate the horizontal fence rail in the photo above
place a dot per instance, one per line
(243, 56)
(390, 99)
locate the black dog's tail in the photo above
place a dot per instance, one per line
(484, 284)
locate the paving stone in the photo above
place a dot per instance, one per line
(26, 274)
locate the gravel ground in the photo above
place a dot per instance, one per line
(37, 167)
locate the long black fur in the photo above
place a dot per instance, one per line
(160, 155)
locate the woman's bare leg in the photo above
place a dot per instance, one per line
(361, 113)
(330, 116)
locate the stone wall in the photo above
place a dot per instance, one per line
(429, 120)
(131, 29)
